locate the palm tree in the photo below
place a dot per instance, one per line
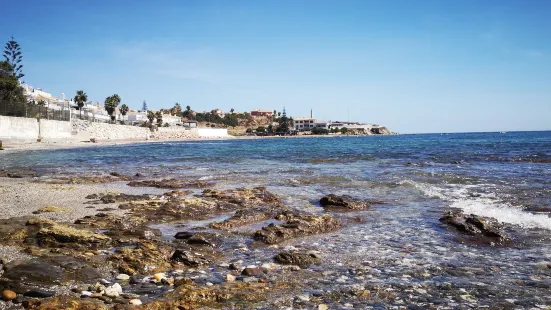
(177, 109)
(150, 117)
(40, 104)
(231, 111)
(159, 116)
(80, 100)
(123, 109)
(111, 104)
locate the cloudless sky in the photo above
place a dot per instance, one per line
(414, 66)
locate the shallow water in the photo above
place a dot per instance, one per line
(401, 245)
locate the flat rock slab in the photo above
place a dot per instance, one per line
(344, 203)
(296, 225)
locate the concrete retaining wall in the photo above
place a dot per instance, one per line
(18, 128)
(104, 131)
(55, 130)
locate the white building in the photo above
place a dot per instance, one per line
(136, 117)
(304, 123)
(172, 120)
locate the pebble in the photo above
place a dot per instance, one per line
(209, 284)
(135, 302)
(105, 282)
(303, 297)
(230, 278)
(114, 290)
(123, 277)
(8, 295)
(86, 293)
(323, 307)
(159, 276)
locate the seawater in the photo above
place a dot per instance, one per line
(506, 176)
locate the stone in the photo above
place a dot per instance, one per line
(39, 294)
(135, 302)
(113, 291)
(183, 235)
(323, 307)
(159, 276)
(297, 258)
(484, 228)
(230, 278)
(171, 184)
(49, 209)
(296, 225)
(188, 259)
(253, 271)
(123, 277)
(199, 240)
(8, 295)
(343, 203)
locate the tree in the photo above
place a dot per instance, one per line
(123, 109)
(177, 110)
(261, 129)
(159, 116)
(344, 130)
(12, 95)
(150, 117)
(12, 54)
(144, 106)
(111, 104)
(283, 123)
(279, 114)
(188, 108)
(80, 100)
(231, 110)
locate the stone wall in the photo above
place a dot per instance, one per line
(212, 132)
(104, 131)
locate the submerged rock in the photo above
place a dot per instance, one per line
(146, 256)
(475, 225)
(344, 203)
(296, 225)
(244, 217)
(297, 258)
(171, 183)
(244, 197)
(189, 259)
(63, 234)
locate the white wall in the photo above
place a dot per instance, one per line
(18, 128)
(29, 129)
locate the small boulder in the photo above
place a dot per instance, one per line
(297, 258)
(253, 272)
(343, 203)
(475, 225)
(113, 291)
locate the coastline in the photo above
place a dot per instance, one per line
(14, 146)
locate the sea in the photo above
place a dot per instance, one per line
(399, 247)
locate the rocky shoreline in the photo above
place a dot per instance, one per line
(102, 248)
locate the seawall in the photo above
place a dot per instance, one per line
(30, 129)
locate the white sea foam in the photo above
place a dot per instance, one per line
(458, 196)
(503, 213)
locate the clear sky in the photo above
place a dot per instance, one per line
(412, 65)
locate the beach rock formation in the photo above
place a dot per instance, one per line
(244, 217)
(296, 225)
(297, 258)
(171, 183)
(343, 202)
(244, 197)
(475, 225)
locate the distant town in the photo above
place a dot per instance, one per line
(255, 122)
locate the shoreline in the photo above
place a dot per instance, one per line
(15, 146)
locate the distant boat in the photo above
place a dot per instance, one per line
(503, 132)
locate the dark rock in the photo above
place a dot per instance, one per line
(475, 225)
(199, 240)
(245, 217)
(254, 272)
(183, 235)
(171, 183)
(244, 197)
(188, 259)
(38, 294)
(344, 203)
(296, 225)
(297, 258)
(234, 266)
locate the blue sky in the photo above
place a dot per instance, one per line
(415, 66)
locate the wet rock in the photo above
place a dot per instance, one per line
(344, 203)
(63, 234)
(171, 183)
(183, 235)
(49, 209)
(297, 258)
(254, 272)
(244, 197)
(146, 256)
(244, 217)
(119, 197)
(38, 294)
(135, 302)
(33, 271)
(65, 302)
(296, 225)
(188, 259)
(123, 277)
(8, 295)
(475, 225)
(199, 240)
(230, 278)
